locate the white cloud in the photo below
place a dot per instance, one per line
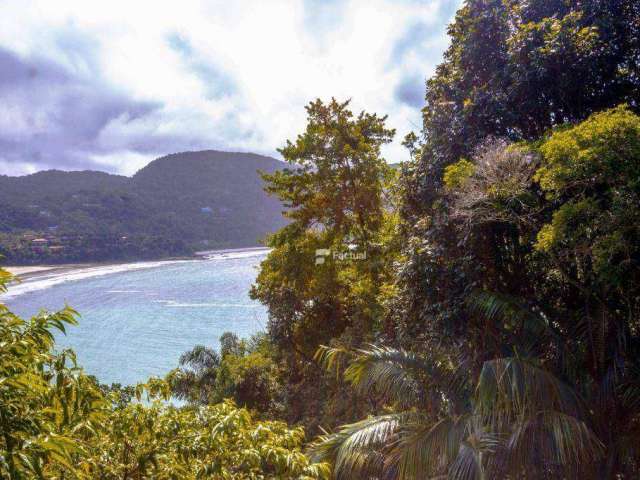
(124, 162)
(241, 72)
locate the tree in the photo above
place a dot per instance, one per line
(56, 422)
(215, 441)
(325, 277)
(516, 69)
(48, 407)
(245, 371)
(518, 358)
(521, 421)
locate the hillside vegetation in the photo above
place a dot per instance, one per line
(471, 315)
(174, 205)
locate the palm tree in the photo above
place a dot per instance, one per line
(512, 419)
(195, 381)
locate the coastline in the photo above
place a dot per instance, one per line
(34, 272)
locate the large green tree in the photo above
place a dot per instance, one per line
(326, 275)
(515, 69)
(542, 384)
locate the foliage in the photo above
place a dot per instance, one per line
(593, 171)
(481, 213)
(495, 187)
(328, 274)
(515, 69)
(547, 222)
(173, 206)
(518, 419)
(217, 441)
(47, 405)
(56, 422)
(245, 371)
(456, 174)
(550, 227)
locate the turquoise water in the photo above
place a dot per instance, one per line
(137, 319)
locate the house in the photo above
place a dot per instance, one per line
(39, 245)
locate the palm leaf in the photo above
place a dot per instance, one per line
(510, 387)
(400, 376)
(358, 448)
(564, 442)
(532, 328)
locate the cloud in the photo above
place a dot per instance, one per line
(113, 85)
(217, 83)
(52, 117)
(410, 91)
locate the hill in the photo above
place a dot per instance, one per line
(175, 205)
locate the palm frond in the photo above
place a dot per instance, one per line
(428, 449)
(393, 374)
(358, 448)
(467, 465)
(398, 375)
(565, 442)
(513, 314)
(452, 447)
(510, 387)
(332, 359)
(200, 357)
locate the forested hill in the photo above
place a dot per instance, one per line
(175, 205)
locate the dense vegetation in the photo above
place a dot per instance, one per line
(173, 206)
(474, 315)
(500, 337)
(56, 422)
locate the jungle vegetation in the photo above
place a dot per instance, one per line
(473, 314)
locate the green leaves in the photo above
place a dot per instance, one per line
(331, 269)
(519, 416)
(223, 441)
(591, 171)
(46, 404)
(55, 421)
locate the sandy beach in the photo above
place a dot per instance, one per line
(36, 277)
(35, 270)
(32, 271)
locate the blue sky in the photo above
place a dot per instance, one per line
(113, 85)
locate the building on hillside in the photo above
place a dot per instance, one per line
(39, 245)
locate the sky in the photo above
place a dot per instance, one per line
(113, 85)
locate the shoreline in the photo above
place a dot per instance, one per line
(32, 272)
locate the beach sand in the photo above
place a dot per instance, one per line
(18, 271)
(32, 271)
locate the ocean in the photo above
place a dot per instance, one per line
(137, 319)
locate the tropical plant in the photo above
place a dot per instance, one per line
(436, 431)
(56, 422)
(48, 407)
(222, 441)
(315, 290)
(244, 370)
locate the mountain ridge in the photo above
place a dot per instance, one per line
(174, 205)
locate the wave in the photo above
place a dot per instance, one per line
(174, 304)
(232, 254)
(73, 275)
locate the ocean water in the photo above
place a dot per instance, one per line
(137, 319)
